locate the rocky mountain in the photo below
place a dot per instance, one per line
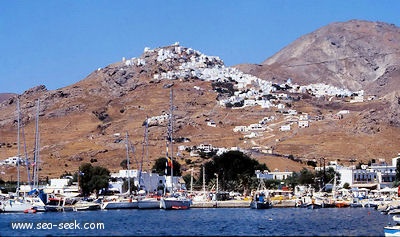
(357, 55)
(313, 100)
(6, 96)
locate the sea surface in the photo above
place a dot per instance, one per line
(199, 222)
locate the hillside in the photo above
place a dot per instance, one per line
(87, 121)
(357, 55)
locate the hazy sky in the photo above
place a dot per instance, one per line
(57, 43)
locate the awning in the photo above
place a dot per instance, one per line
(370, 186)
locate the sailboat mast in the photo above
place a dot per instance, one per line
(145, 151)
(18, 146)
(191, 180)
(127, 162)
(27, 164)
(204, 182)
(171, 131)
(36, 155)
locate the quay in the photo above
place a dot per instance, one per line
(222, 204)
(240, 204)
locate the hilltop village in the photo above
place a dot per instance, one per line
(238, 90)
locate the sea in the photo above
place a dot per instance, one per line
(199, 222)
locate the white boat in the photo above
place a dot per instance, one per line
(16, 205)
(20, 204)
(177, 200)
(122, 201)
(119, 203)
(149, 203)
(175, 203)
(392, 230)
(86, 206)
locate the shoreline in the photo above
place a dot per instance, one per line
(239, 204)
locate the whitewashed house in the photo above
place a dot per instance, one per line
(205, 147)
(285, 128)
(211, 124)
(303, 124)
(240, 129)
(251, 135)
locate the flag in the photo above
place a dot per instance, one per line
(169, 162)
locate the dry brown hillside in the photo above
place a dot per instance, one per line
(87, 121)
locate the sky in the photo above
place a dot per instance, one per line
(57, 43)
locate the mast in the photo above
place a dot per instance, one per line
(204, 183)
(145, 151)
(127, 162)
(171, 131)
(18, 145)
(168, 143)
(27, 164)
(36, 153)
(191, 180)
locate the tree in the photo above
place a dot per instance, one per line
(234, 170)
(125, 185)
(92, 178)
(306, 177)
(398, 169)
(124, 164)
(160, 165)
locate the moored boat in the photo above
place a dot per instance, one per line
(120, 203)
(86, 206)
(149, 203)
(175, 203)
(392, 230)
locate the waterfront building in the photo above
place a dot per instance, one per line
(375, 176)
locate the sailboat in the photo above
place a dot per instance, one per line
(21, 204)
(146, 201)
(124, 201)
(176, 200)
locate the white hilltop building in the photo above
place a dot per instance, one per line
(249, 89)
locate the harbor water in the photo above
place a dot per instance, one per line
(198, 222)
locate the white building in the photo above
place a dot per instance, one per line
(13, 161)
(303, 124)
(240, 129)
(276, 175)
(284, 128)
(378, 175)
(256, 127)
(211, 124)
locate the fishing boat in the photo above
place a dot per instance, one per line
(260, 198)
(393, 230)
(176, 200)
